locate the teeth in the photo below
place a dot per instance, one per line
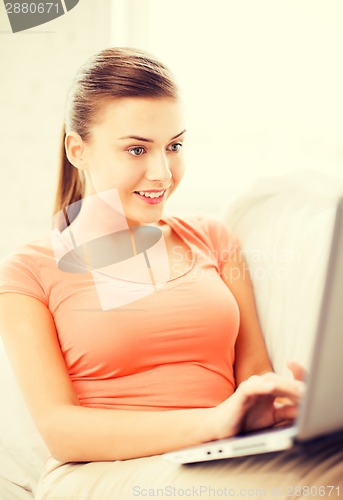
(151, 195)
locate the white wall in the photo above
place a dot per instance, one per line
(37, 67)
(262, 81)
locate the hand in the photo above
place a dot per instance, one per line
(298, 371)
(254, 405)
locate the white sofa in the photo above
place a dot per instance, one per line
(284, 224)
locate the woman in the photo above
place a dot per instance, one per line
(137, 333)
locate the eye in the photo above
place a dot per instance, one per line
(175, 148)
(137, 151)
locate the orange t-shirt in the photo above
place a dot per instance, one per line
(171, 349)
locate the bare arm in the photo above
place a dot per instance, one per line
(76, 433)
(251, 354)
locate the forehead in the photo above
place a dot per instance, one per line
(145, 117)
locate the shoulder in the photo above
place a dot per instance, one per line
(210, 235)
(30, 251)
(213, 231)
(20, 271)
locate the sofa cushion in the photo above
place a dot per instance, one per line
(285, 224)
(22, 450)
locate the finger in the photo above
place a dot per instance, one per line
(292, 390)
(298, 371)
(284, 413)
(273, 385)
(283, 401)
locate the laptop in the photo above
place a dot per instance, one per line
(321, 409)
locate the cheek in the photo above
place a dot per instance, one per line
(118, 176)
(178, 171)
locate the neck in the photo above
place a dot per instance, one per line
(100, 214)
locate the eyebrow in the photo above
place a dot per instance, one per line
(143, 139)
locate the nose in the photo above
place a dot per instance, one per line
(158, 169)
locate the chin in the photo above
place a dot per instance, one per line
(137, 219)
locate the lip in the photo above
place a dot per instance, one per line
(152, 190)
(151, 201)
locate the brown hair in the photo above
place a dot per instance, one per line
(113, 73)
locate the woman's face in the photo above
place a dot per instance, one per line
(136, 147)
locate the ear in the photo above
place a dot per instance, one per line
(75, 150)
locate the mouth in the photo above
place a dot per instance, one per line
(152, 197)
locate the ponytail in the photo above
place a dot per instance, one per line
(70, 187)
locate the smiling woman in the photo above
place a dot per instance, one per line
(111, 77)
(151, 346)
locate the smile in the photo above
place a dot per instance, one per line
(151, 197)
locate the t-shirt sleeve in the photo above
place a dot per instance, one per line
(224, 242)
(19, 273)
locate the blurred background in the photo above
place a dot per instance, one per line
(262, 85)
